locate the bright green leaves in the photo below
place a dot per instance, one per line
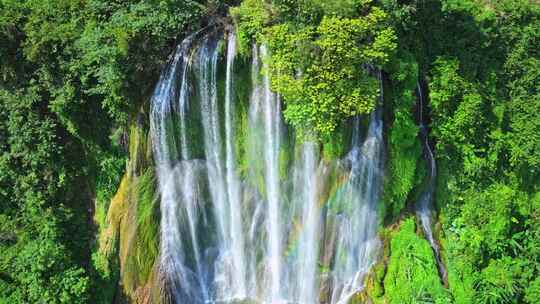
(39, 267)
(320, 70)
(345, 8)
(405, 151)
(498, 282)
(533, 292)
(491, 212)
(492, 243)
(127, 48)
(71, 72)
(523, 64)
(34, 178)
(364, 39)
(251, 17)
(403, 145)
(51, 28)
(318, 65)
(525, 135)
(463, 119)
(289, 50)
(411, 275)
(89, 54)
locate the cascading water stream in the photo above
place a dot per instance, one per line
(272, 122)
(310, 217)
(358, 239)
(229, 234)
(173, 259)
(255, 148)
(189, 189)
(233, 183)
(424, 207)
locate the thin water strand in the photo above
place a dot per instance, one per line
(424, 207)
(233, 184)
(272, 141)
(309, 243)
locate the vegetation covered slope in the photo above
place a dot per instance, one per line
(75, 74)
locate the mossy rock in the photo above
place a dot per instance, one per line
(412, 273)
(131, 232)
(359, 298)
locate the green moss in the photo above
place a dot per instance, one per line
(109, 168)
(129, 231)
(140, 228)
(412, 275)
(147, 225)
(241, 95)
(250, 18)
(106, 258)
(100, 212)
(375, 289)
(337, 145)
(402, 168)
(375, 279)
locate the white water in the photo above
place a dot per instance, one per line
(169, 172)
(357, 233)
(255, 147)
(309, 238)
(273, 233)
(238, 270)
(272, 122)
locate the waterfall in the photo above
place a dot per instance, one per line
(233, 184)
(169, 171)
(310, 217)
(271, 111)
(424, 206)
(358, 240)
(255, 149)
(247, 213)
(358, 232)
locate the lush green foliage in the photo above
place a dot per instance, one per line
(484, 103)
(480, 62)
(37, 260)
(252, 16)
(404, 146)
(319, 67)
(411, 275)
(73, 73)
